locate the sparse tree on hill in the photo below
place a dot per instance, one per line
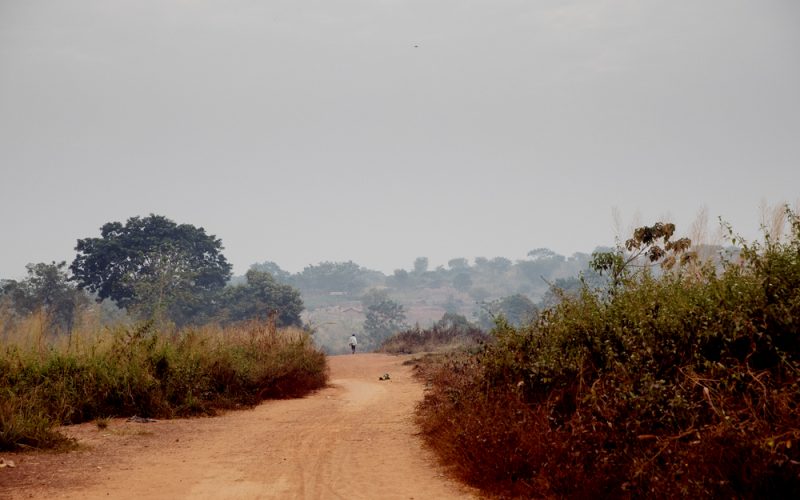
(541, 253)
(458, 263)
(543, 263)
(333, 277)
(384, 318)
(500, 264)
(481, 262)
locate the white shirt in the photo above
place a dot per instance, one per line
(353, 340)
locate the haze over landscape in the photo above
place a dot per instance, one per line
(379, 131)
(489, 248)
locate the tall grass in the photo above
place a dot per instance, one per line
(136, 370)
(682, 384)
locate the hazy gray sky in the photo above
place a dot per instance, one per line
(382, 130)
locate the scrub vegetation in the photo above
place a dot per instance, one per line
(672, 381)
(452, 332)
(48, 380)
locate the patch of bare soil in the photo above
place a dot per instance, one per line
(354, 439)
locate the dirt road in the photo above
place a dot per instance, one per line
(354, 439)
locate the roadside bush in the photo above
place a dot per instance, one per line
(140, 371)
(451, 332)
(681, 384)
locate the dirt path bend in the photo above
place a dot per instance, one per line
(354, 439)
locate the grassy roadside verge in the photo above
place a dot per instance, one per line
(140, 371)
(682, 384)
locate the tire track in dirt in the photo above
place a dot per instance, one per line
(354, 439)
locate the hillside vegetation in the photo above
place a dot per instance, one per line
(676, 383)
(338, 295)
(137, 370)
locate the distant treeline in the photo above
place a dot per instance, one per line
(483, 279)
(153, 268)
(482, 289)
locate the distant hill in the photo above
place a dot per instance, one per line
(332, 291)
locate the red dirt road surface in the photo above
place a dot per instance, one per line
(354, 439)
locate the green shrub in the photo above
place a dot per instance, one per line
(669, 385)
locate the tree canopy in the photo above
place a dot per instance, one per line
(420, 265)
(153, 266)
(273, 269)
(516, 309)
(333, 277)
(260, 297)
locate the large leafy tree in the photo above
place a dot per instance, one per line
(458, 264)
(542, 263)
(154, 266)
(262, 296)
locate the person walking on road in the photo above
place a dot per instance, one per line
(353, 342)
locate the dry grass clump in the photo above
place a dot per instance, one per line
(452, 332)
(667, 386)
(137, 370)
